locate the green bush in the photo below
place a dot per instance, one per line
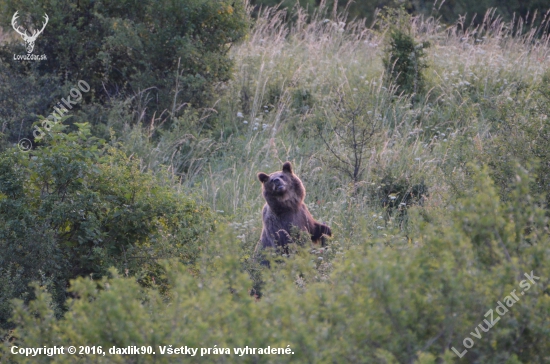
(163, 55)
(408, 303)
(521, 134)
(404, 59)
(76, 207)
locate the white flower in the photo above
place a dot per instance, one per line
(245, 122)
(240, 115)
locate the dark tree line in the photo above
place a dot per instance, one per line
(448, 10)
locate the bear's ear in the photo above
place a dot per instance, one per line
(263, 177)
(287, 167)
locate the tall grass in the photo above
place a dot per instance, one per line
(286, 72)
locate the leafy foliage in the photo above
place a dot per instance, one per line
(522, 138)
(76, 207)
(404, 59)
(408, 303)
(160, 55)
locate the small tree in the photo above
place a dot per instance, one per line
(404, 57)
(347, 127)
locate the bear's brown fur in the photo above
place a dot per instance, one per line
(284, 194)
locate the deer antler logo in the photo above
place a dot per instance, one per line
(29, 39)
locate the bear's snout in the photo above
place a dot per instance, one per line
(277, 184)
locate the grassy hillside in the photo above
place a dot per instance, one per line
(485, 97)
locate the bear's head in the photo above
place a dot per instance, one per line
(282, 188)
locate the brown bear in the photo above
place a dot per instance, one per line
(284, 194)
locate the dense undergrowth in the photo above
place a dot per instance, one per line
(437, 212)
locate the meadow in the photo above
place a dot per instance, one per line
(437, 199)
